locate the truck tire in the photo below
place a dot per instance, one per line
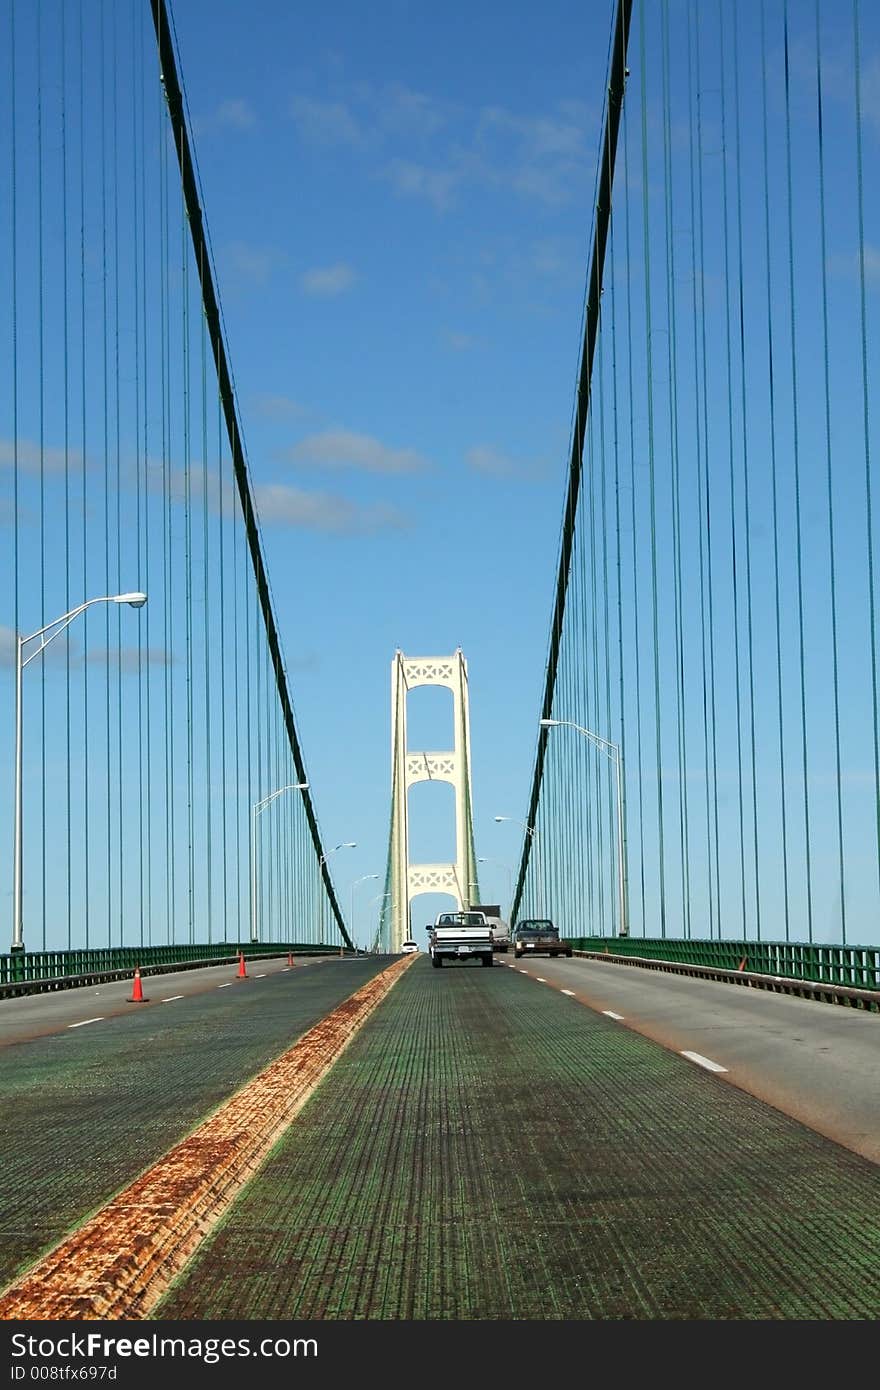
(436, 961)
(487, 960)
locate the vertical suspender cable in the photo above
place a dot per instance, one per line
(869, 500)
(603, 214)
(174, 97)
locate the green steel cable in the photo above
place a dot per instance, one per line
(223, 666)
(14, 325)
(637, 643)
(652, 486)
(67, 502)
(692, 62)
(734, 534)
(188, 574)
(674, 444)
(774, 473)
(105, 380)
(42, 392)
(137, 174)
(165, 377)
(618, 554)
(176, 109)
(118, 781)
(863, 324)
(606, 615)
(707, 501)
(617, 78)
(797, 475)
(832, 557)
(208, 783)
(750, 664)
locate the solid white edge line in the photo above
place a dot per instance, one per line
(703, 1061)
(99, 1019)
(171, 998)
(610, 1014)
(226, 986)
(567, 991)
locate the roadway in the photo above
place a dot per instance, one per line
(499, 1144)
(817, 1062)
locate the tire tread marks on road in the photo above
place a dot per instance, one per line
(484, 1150)
(82, 1113)
(121, 1261)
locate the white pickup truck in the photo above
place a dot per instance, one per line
(460, 936)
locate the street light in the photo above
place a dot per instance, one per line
(57, 626)
(345, 844)
(533, 832)
(354, 885)
(612, 751)
(257, 809)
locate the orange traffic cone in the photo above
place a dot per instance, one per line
(742, 964)
(137, 993)
(289, 961)
(242, 972)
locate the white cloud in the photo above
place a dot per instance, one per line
(459, 342)
(329, 280)
(236, 113)
(27, 456)
(278, 407)
(129, 658)
(251, 264)
(326, 122)
(278, 504)
(345, 449)
(485, 458)
(418, 181)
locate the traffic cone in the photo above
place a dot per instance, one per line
(242, 972)
(289, 961)
(137, 993)
(742, 964)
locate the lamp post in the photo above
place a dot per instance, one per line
(354, 885)
(256, 810)
(345, 844)
(53, 629)
(379, 898)
(485, 859)
(612, 751)
(532, 831)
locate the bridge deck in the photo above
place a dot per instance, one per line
(487, 1149)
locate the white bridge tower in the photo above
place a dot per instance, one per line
(409, 766)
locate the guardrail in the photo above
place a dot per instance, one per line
(33, 972)
(842, 974)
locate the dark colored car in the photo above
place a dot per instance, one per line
(537, 936)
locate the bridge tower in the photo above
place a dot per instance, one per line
(408, 767)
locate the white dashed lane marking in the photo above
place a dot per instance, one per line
(540, 979)
(567, 991)
(703, 1061)
(226, 986)
(85, 1021)
(171, 998)
(610, 1014)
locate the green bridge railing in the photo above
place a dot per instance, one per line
(855, 966)
(31, 966)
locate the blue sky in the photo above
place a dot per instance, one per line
(399, 203)
(399, 200)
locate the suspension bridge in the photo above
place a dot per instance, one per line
(347, 1134)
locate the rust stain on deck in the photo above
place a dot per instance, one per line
(120, 1263)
